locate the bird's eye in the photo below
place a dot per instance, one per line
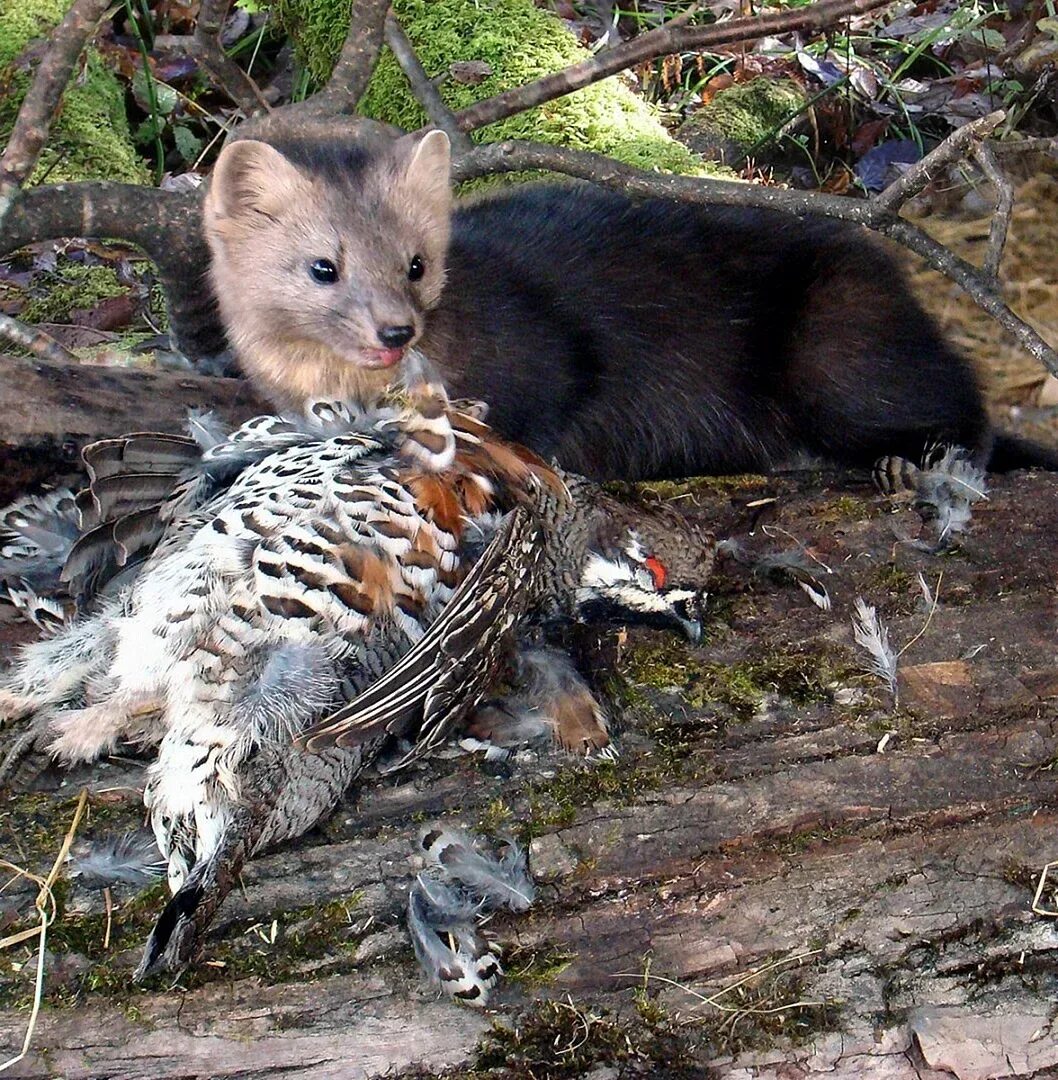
(323, 271)
(416, 268)
(657, 571)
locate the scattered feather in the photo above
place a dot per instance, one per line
(945, 487)
(873, 638)
(132, 859)
(449, 902)
(793, 564)
(36, 535)
(503, 882)
(817, 593)
(451, 950)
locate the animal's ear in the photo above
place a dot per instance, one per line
(428, 167)
(253, 177)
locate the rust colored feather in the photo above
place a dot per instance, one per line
(437, 499)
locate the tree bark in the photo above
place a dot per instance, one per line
(49, 411)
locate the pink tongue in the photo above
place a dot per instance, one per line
(389, 357)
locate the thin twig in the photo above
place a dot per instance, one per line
(46, 910)
(35, 340)
(1000, 226)
(423, 87)
(929, 617)
(42, 99)
(666, 39)
(714, 999)
(1037, 907)
(953, 148)
(1012, 147)
(207, 49)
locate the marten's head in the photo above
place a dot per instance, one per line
(326, 258)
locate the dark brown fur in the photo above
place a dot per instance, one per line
(627, 339)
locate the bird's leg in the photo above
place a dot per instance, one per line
(554, 702)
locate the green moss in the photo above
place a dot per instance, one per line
(90, 137)
(560, 1039)
(305, 943)
(844, 509)
(496, 817)
(667, 490)
(534, 967)
(70, 288)
(553, 802)
(520, 42)
(744, 117)
(797, 676)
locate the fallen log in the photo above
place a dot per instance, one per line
(49, 411)
(785, 874)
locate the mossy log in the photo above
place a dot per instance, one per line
(773, 812)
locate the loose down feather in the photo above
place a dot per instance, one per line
(498, 883)
(131, 859)
(452, 951)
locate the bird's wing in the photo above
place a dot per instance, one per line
(129, 481)
(446, 672)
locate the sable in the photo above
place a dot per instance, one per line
(624, 338)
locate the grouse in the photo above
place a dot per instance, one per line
(310, 589)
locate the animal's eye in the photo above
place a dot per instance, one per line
(416, 268)
(657, 571)
(323, 271)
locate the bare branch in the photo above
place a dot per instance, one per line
(953, 148)
(514, 156)
(423, 87)
(35, 341)
(165, 225)
(207, 49)
(997, 232)
(359, 55)
(42, 99)
(974, 284)
(1014, 147)
(670, 38)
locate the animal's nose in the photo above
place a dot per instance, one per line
(393, 337)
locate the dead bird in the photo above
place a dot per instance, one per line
(315, 585)
(626, 339)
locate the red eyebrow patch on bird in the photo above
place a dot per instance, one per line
(657, 571)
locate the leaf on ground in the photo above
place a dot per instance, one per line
(114, 313)
(873, 168)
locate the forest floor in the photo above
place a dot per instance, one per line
(786, 873)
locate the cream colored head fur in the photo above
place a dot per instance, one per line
(269, 219)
